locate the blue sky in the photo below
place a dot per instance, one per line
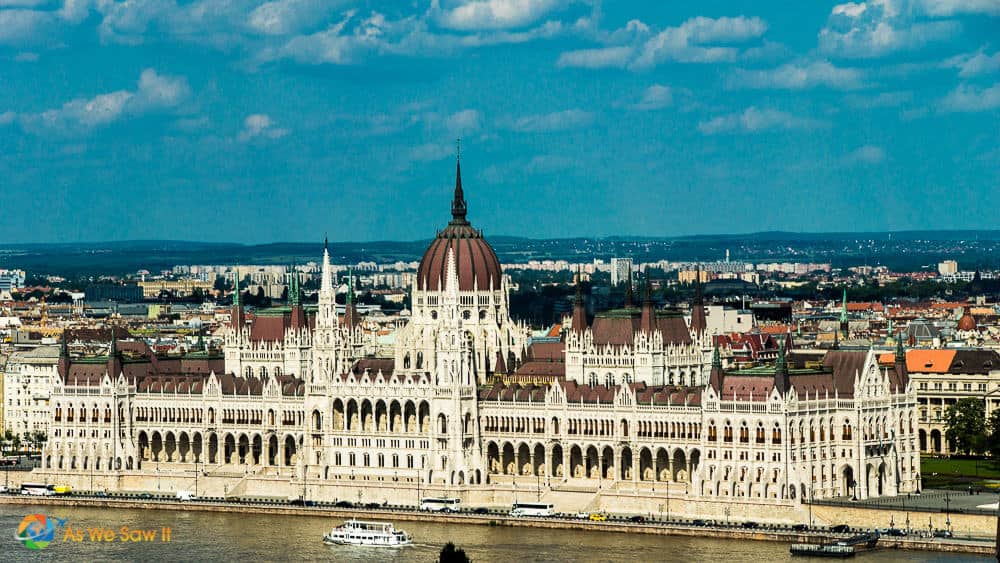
(248, 121)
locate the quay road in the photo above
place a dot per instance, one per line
(642, 524)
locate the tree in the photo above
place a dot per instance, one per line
(966, 422)
(993, 438)
(452, 554)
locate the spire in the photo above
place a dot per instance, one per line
(579, 308)
(698, 321)
(647, 321)
(716, 376)
(458, 208)
(237, 318)
(843, 308)
(351, 317)
(294, 296)
(350, 286)
(781, 381)
(628, 290)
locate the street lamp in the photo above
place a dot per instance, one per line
(947, 510)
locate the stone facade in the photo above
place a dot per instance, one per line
(302, 401)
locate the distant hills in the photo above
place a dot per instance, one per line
(901, 250)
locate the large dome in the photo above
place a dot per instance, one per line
(478, 266)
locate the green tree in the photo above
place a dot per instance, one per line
(993, 438)
(966, 422)
(452, 554)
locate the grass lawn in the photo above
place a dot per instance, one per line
(944, 473)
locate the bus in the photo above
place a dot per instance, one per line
(443, 504)
(38, 489)
(532, 509)
(61, 489)
(8, 461)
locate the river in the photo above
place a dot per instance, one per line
(210, 536)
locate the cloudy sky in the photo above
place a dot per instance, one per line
(248, 121)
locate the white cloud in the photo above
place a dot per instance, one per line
(880, 100)
(975, 65)
(955, 7)
(601, 57)
(260, 126)
(155, 93)
(799, 76)
(26, 57)
(283, 17)
(866, 154)
(463, 122)
(25, 27)
(877, 28)
(754, 119)
(7, 117)
(655, 97)
(556, 121)
(690, 41)
(697, 40)
(496, 14)
(431, 151)
(547, 163)
(968, 98)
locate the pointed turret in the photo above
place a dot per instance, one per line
(715, 378)
(351, 317)
(844, 325)
(579, 307)
(900, 362)
(114, 356)
(698, 321)
(237, 318)
(64, 359)
(295, 298)
(781, 380)
(458, 208)
(629, 303)
(647, 322)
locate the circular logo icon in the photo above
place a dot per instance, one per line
(36, 531)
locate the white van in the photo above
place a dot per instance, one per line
(185, 495)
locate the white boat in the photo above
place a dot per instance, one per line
(374, 534)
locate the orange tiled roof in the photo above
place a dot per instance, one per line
(865, 306)
(923, 361)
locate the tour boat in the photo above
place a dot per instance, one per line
(375, 534)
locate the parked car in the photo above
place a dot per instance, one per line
(373, 505)
(583, 515)
(638, 519)
(750, 525)
(344, 504)
(840, 529)
(894, 532)
(800, 527)
(699, 522)
(597, 517)
(943, 534)
(145, 496)
(481, 510)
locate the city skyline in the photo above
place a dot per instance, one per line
(165, 120)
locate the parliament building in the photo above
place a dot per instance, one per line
(627, 409)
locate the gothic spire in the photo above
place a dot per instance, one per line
(458, 208)
(628, 290)
(781, 381)
(579, 308)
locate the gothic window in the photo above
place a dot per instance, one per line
(466, 314)
(420, 360)
(406, 361)
(609, 380)
(592, 379)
